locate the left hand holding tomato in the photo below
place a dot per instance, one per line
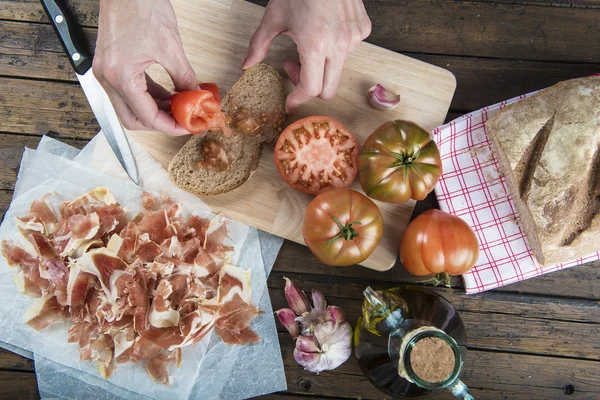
(342, 227)
(440, 244)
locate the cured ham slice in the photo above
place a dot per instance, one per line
(29, 264)
(157, 367)
(233, 322)
(44, 312)
(161, 314)
(234, 281)
(51, 267)
(137, 290)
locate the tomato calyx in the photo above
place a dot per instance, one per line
(439, 279)
(406, 158)
(347, 232)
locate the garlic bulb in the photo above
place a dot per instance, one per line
(383, 99)
(323, 336)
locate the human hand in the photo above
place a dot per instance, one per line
(133, 35)
(325, 33)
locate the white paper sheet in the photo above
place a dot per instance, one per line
(249, 377)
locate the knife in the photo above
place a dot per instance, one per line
(72, 39)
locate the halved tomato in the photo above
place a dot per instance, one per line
(200, 110)
(213, 88)
(317, 154)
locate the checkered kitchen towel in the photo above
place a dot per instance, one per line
(472, 188)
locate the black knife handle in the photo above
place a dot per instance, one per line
(70, 34)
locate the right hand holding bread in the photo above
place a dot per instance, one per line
(325, 32)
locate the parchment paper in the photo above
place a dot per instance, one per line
(248, 380)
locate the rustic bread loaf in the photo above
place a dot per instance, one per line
(548, 148)
(257, 103)
(212, 163)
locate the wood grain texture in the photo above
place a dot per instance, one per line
(18, 385)
(426, 94)
(15, 362)
(35, 107)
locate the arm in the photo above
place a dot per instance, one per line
(133, 35)
(325, 32)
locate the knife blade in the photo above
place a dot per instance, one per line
(72, 39)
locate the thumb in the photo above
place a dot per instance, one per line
(260, 43)
(181, 72)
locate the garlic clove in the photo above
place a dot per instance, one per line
(383, 99)
(296, 298)
(334, 314)
(307, 344)
(319, 303)
(287, 317)
(310, 361)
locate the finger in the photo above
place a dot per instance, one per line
(126, 115)
(178, 67)
(146, 110)
(310, 84)
(261, 41)
(332, 75)
(292, 69)
(159, 93)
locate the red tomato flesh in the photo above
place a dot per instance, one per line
(199, 111)
(317, 154)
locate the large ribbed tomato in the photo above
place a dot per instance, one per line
(342, 227)
(399, 161)
(317, 154)
(438, 243)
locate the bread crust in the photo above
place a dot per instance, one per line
(548, 148)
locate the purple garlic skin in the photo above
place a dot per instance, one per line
(323, 336)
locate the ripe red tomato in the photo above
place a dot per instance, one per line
(317, 154)
(342, 227)
(438, 243)
(200, 110)
(213, 88)
(399, 161)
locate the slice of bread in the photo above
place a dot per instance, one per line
(189, 168)
(261, 94)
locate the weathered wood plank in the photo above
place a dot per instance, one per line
(515, 375)
(36, 107)
(495, 325)
(12, 361)
(84, 11)
(463, 28)
(5, 199)
(18, 385)
(579, 282)
(11, 152)
(480, 29)
(530, 306)
(32, 50)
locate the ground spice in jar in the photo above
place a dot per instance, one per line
(432, 359)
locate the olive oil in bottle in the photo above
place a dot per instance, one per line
(401, 337)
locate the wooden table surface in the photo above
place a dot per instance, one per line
(538, 339)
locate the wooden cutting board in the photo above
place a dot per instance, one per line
(215, 35)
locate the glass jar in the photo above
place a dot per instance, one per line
(392, 323)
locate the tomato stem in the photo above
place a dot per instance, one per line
(439, 278)
(347, 232)
(406, 158)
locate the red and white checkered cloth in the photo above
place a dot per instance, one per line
(471, 187)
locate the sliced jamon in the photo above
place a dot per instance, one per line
(29, 264)
(161, 314)
(149, 251)
(234, 281)
(52, 267)
(84, 226)
(44, 312)
(157, 367)
(103, 352)
(144, 349)
(154, 225)
(77, 288)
